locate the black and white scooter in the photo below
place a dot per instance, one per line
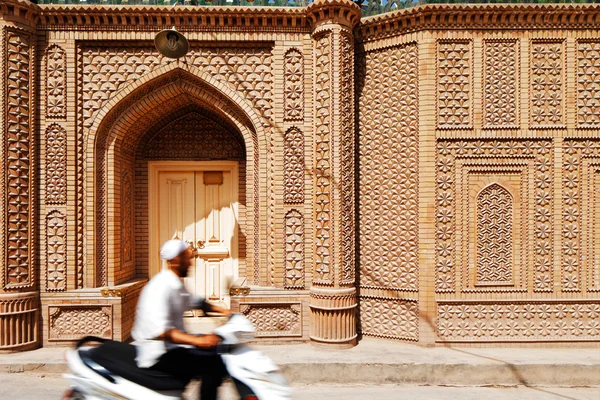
(109, 371)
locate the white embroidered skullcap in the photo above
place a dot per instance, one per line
(172, 248)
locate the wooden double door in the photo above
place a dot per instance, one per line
(197, 202)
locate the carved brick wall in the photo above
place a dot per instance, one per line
(18, 178)
(388, 189)
(588, 87)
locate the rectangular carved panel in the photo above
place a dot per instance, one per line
(56, 165)
(56, 82)
(17, 164)
(547, 84)
(56, 251)
(588, 84)
(323, 172)
(500, 83)
(73, 322)
(581, 162)
(293, 85)
(455, 87)
(388, 157)
(274, 319)
(454, 159)
(389, 318)
(518, 321)
(294, 250)
(293, 166)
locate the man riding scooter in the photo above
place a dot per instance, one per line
(161, 341)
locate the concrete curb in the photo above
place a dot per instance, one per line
(445, 374)
(562, 375)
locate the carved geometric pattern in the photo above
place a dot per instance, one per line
(293, 86)
(547, 84)
(578, 152)
(449, 151)
(347, 137)
(494, 235)
(274, 319)
(500, 83)
(56, 165)
(18, 153)
(518, 321)
(70, 323)
(389, 318)
(588, 84)
(454, 84)
(293, 166)
(194, 136)
(56, 251)
(294, 250)
(388, 201)
(126, 217)
(106, 70)
(324, 217)
(56, 82)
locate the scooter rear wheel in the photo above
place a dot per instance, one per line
(73, 394)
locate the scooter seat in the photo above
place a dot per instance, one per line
(119, 359)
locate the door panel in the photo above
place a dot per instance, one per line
(199, 207)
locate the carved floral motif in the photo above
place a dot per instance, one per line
(56, 251)
(18, 153)
(56, 165)
(274, 320)
(547, 84)
(454, 84)
(388, 153)
(500, 83)
(324, 217)
(588, 84)
(293, 166)
(389, 318)
(294, 250)
(56, 82)
(494, 235)
(518, 321)
(449, 152)
(293, 86)
(71, 323)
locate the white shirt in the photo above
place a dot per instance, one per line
(160, 308)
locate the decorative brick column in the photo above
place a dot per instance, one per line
(19, 293)
(333, 299)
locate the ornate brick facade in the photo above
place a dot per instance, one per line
(430, 179)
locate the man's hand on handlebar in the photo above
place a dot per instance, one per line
(207, 341)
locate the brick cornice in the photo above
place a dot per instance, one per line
(479, 16)
(186, 19)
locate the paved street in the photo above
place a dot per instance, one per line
(51, 386)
